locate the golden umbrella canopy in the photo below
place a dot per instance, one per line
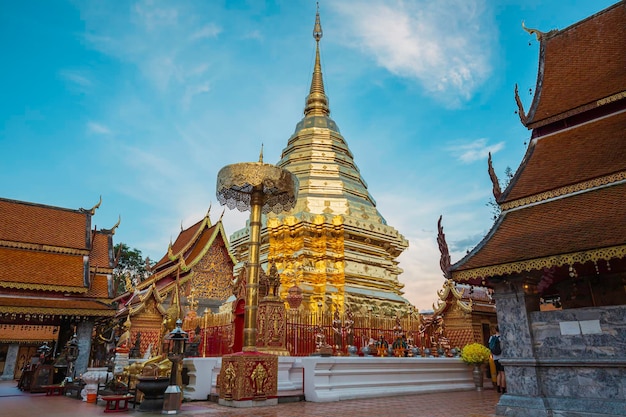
(257, 187)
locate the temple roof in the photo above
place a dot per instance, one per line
(572, 156)
(580, 67)
(55, 306)
(175, 267)
(543, 235)
(566, 203)
(191, 244)
(44, 225)
(52, 262)
(41, 270)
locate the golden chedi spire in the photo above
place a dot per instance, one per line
(334, 244)
(316, 101)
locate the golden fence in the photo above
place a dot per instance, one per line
(215, 335)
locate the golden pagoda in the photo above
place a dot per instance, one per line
(334, 244)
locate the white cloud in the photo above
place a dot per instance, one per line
(194, 90)
(98, 128)
(477, 150)
(210, 30)
(155, 17)
(77, 79)
(445, 45)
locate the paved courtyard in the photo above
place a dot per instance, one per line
(15, 403)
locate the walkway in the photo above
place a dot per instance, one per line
(15, 403)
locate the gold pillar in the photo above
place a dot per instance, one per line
(252, 287)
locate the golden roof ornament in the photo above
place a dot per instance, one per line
(539, 34)
(92, 210)
(316, 101)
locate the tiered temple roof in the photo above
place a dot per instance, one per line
(199, 258)
(54, 263)
(566, 202)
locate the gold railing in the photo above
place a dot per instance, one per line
(216, 332)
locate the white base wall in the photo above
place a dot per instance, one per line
(337, 378)
(345, 378)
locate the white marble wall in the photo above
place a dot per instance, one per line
(324, 379)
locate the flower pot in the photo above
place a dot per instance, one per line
(477, 374)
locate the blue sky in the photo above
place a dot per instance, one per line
(143, 102)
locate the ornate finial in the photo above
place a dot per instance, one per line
(92, 210)
(261, 154)
(181, 226)
(317, 29)
(316, 101)
(170, 252)
(444, 262)
(535, 32)
(207, 216)
(115, 226)
(494, 179)
(520, 108)
(222, 215)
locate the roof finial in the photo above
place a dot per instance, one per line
(261, 154)
(316, 101)
(317, 29)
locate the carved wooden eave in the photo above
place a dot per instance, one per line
(44, 287)
(594, 255)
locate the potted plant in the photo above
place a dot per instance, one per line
(475, 355)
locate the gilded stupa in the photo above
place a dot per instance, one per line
(334, 244)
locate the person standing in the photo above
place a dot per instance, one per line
(495, 346)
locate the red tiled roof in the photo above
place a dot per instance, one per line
(581, 64)
(202, 241)
(571, 156)
(41, 269)
(182, 240)
(594, 219)
(45, 225)
(99, 255)
(99, 287)
(66, 305)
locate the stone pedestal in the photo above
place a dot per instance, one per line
(248, 379)
(271, 325)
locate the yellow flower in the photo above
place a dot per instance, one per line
(475, 354)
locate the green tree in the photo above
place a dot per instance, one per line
(130, 267)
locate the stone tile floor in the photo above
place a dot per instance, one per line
(15, 403)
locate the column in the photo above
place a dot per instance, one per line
(84, 330)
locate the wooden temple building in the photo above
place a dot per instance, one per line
(56, 281)
(334, 244)
(195, 274)
(556, 256)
